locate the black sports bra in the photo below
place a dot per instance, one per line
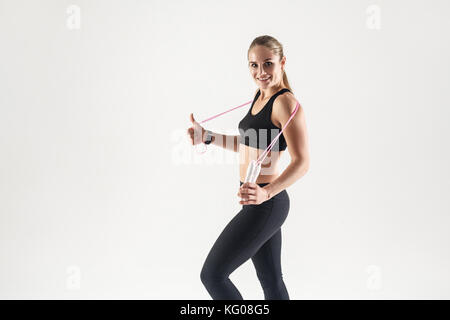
(258, 131)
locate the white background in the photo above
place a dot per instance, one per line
(103, 197)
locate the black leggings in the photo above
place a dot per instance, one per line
(255, 232)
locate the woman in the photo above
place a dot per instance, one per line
(255, 232)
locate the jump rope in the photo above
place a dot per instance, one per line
(254, 167)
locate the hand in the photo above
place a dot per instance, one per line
(196, 133)
(252, 193)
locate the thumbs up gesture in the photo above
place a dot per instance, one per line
(196, 132)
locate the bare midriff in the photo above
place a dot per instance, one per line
(269, 166)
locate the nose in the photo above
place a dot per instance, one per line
(262, 73)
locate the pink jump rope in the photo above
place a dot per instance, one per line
(255, 165)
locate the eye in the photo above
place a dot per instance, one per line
(253, 64)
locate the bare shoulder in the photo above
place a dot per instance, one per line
(283, 106)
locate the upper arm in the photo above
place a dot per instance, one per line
(295, 133)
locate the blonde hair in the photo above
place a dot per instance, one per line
(277, 49)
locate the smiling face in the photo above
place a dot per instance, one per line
(263, 64)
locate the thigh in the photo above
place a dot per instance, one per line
(240, 239)
(267, 260)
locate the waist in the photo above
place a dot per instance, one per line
(259, 184)
(283, 195)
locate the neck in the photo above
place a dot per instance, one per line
(268, 92)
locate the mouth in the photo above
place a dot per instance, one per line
(264, 80)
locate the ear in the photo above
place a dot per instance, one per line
(283, 61)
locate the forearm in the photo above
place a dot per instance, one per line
(294, 171)
(227, 142)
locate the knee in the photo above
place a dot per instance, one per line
(210, 275)
(204, 277)
(271, 280)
